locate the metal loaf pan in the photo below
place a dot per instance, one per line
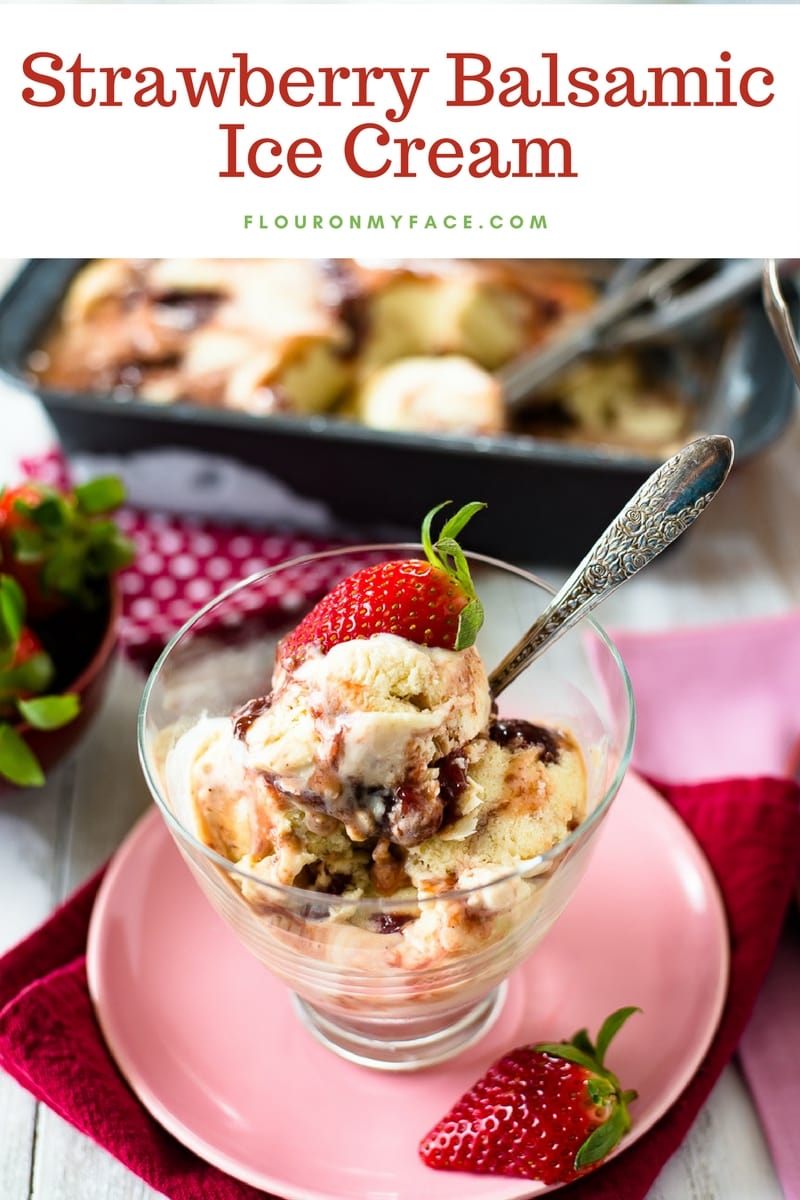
(548, 501)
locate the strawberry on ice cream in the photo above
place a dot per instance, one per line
(375, 764)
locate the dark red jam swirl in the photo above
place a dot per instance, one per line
(521, 735)
(245, 716)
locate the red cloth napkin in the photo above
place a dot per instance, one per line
(50, 1042)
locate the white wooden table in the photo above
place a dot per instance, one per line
(742, 560)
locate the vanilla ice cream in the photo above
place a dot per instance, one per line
(357, 733)
(380, 770)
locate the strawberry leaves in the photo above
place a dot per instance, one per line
(602, 1086)
(609, 1030)
(602, 1141)
(446, 555)
(99, 495)
(581, 1049)
(18, 763)
(12, 613)
(49, 712)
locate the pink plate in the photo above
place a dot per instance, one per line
(212, 1046)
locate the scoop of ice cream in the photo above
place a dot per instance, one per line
(359, 733)
(377, 772)
(231, 808)
(210, 790)
(519, 802)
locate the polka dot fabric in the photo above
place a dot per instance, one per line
(49, 467)
(181, 564)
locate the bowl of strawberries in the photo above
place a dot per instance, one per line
(60, 552)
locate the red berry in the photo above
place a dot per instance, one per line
(28, 645)
(546, 1112)
(429, 601)
(26, 673)
(30, 494)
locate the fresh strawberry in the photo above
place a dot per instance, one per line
(28, 645)
(430, 601)
(25, 493)
(28, 674)
(549, 1112)
(26, 668)
(58, 546)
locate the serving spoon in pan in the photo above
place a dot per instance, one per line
(528, 372)
(640, 305)
(663, 508)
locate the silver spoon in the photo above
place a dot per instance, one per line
(663, 508)
(538, 366)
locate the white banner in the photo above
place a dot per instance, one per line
(383, 130)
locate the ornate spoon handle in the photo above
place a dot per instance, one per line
(663, 508)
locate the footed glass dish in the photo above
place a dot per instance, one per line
(400, 981)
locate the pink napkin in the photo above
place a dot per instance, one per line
(50, 1042)
(714, 701)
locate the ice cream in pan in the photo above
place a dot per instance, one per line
(375, 765)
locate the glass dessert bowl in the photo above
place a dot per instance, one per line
(393, 905)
